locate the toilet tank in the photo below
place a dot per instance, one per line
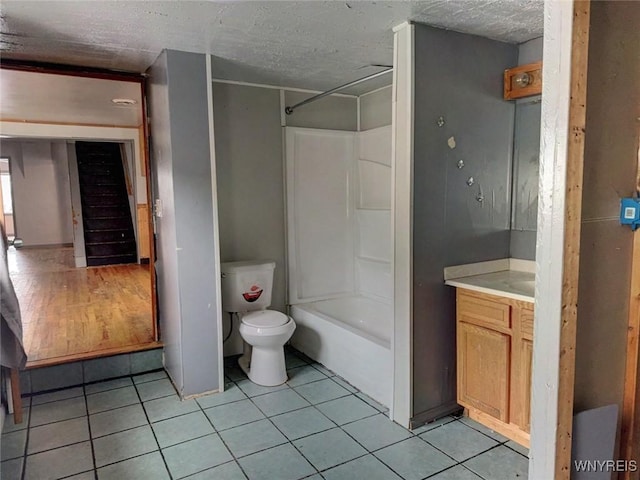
(246, 286)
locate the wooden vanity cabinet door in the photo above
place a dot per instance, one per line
(521, 372)
(484, 369)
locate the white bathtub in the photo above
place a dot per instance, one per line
(350, 336)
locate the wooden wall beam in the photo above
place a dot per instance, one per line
(572, 222)
(630, 434)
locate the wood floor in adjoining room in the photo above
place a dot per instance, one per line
(71, 313)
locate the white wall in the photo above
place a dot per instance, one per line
(319, 213)
(373, 215)
(335, 112)
(375, 108)
(41, 191)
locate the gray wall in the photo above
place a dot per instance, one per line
(41, 191)
(611, 160)
(459, 77)
(332, 112)
(186, 273)
(526, 163)
(375, 109)
(250, 179)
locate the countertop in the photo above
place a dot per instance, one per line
(509, 278)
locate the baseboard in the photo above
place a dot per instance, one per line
(434, 414)
(47, 245)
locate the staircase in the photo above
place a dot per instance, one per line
(109, 237)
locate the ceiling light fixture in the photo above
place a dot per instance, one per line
(124, 101)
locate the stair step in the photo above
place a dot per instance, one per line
(95, 261)
(112, 189)
(112, 223)
(103, 211)
(97, 180)
(110, 248)
(105, 230)
(104, 202)
(106, 213)
(111, 242)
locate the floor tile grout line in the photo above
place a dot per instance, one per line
(57, 421)
(95, 474)
(59, 400)
(93, 451)
(459, 419)
(437, 448)
(314, 405)
(343, 463)
(513, 449)
(26, 445)
(233, 460)
(311, 404)
(357, 393)
(164, 460)
(286, 438)
(125, 460)
(475, 473)
(371, 452)
(441, 471)
(336, 426)
(57, 448)
(462, 462)
(217, 432)
(326, 401)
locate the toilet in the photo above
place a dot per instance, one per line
(246, 291)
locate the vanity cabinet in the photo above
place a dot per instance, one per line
(494, 347)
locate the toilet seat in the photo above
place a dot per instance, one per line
(265, 319)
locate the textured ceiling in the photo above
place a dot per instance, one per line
(305, 44)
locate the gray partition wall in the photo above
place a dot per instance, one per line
(187, 278)
(460, 115)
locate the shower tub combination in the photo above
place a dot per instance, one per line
(351, 337)
(339, 253)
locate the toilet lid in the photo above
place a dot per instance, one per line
(265, 319)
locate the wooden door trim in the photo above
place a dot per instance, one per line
(88, 72)
(71, 70)
(152, 251)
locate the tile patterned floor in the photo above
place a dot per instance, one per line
(316, 426)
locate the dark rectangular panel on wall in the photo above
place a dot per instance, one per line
(457, 77)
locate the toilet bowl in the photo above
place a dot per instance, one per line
(265, 332)
(246, 290)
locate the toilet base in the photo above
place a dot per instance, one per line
(264, 366)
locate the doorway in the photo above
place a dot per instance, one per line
(72, 311)
(6, 199)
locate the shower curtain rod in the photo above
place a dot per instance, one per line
(289, 110)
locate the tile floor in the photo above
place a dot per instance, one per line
(316, 426)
